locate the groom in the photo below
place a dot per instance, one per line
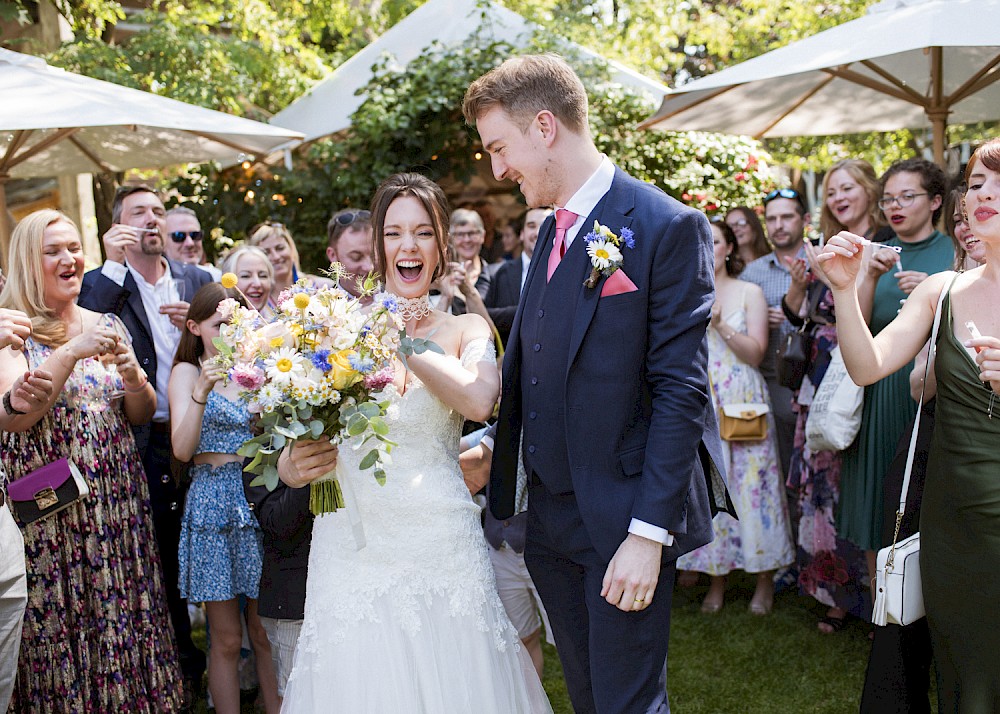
(609, 386)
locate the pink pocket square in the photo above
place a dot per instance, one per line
(617, 283)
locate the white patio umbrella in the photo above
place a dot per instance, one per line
(906, 64)
(54, 122)
(327, 107)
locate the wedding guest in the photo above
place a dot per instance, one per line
(466, 234)
(510, 240)
(96, 634)
(970, 252)
(220, 544)
(254, 276)
(831, 569)
(759, 542)
(912, 195)
(24, 396)
(186, 240)
(279, 247)
(349, 242)
(959, 517)
(749, 233)
(149, 292)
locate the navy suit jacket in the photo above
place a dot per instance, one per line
(641, 431)
(504, 295)
(101, 294)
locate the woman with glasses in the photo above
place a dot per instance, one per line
(912, 195)
(468, 271)
(831, 569)
(279, 247)
(749, 233)
(960, 509)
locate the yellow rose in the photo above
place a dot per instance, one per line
(341, 374)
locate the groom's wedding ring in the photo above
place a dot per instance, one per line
(639, 599)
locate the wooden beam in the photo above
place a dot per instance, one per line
(20, 136)
(86, 151)
(976, 83)
(851, 76)
(225, 142)
(893, 80)
(656, 119)
(798, 103)
(42, 145)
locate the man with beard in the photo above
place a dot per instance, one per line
(786, 219)
(150, 294)
(186, 241)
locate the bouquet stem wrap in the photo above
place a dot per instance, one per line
(333, 492)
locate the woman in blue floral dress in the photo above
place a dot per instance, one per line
(96, 635)
(220, 545)
(760, 541)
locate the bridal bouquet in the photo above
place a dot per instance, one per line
(316, 368)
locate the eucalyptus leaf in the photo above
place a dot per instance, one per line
(370, 460)
(316, 427)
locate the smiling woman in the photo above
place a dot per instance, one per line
(94, 562)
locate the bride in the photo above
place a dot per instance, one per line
(412, 621)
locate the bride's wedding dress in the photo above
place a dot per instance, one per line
(412, 621)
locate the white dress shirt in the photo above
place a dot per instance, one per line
(525, 262)
(582, 203)
(165, 335)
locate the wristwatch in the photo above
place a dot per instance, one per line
(7, 407)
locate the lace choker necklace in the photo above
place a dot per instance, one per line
(413, 308)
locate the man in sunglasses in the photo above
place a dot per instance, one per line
(185, 240)
(349, 234)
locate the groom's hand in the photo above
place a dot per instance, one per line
(630, 580)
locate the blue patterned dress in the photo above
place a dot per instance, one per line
(220, 547)
(96, 637)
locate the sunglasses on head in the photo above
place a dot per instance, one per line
(348, 217)
(181, 236)
(783, 193)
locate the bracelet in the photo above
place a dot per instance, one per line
(8, 407)
(197, 402)
(140, 388)
(731, 336)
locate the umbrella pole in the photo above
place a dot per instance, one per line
(939, 123)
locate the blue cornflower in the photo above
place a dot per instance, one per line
(628, 237)
(321, 359)
(388, 301)
(590, 237)
(361, 364)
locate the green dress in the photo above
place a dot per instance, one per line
(888, 407)
(960, 532)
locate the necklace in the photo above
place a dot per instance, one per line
(414, 308)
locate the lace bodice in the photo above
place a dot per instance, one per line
(422, 528)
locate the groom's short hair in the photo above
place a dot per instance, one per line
(524, 86)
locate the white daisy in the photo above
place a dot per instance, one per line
(603, 254)
(283, 365)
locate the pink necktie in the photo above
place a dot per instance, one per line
(564, 221)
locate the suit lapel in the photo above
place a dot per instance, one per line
(612, 211)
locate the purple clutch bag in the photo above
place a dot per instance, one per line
(45, 491)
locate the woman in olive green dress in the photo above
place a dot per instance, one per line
(960, 514)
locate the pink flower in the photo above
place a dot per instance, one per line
(379, 380)
(226, 308)
(248, 376)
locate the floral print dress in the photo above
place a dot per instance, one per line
(760, 540)
(96, 637)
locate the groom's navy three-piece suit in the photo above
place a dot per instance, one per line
(611, 393)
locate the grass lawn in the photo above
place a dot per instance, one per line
(734, 662)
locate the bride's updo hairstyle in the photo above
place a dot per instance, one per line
(433, 200)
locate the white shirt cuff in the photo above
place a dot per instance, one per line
(648, 530)
(487, 442)
(114, 271)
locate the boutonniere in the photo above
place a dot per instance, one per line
(605, 251)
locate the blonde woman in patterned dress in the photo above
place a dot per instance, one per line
(760, 542)
(96, 636)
